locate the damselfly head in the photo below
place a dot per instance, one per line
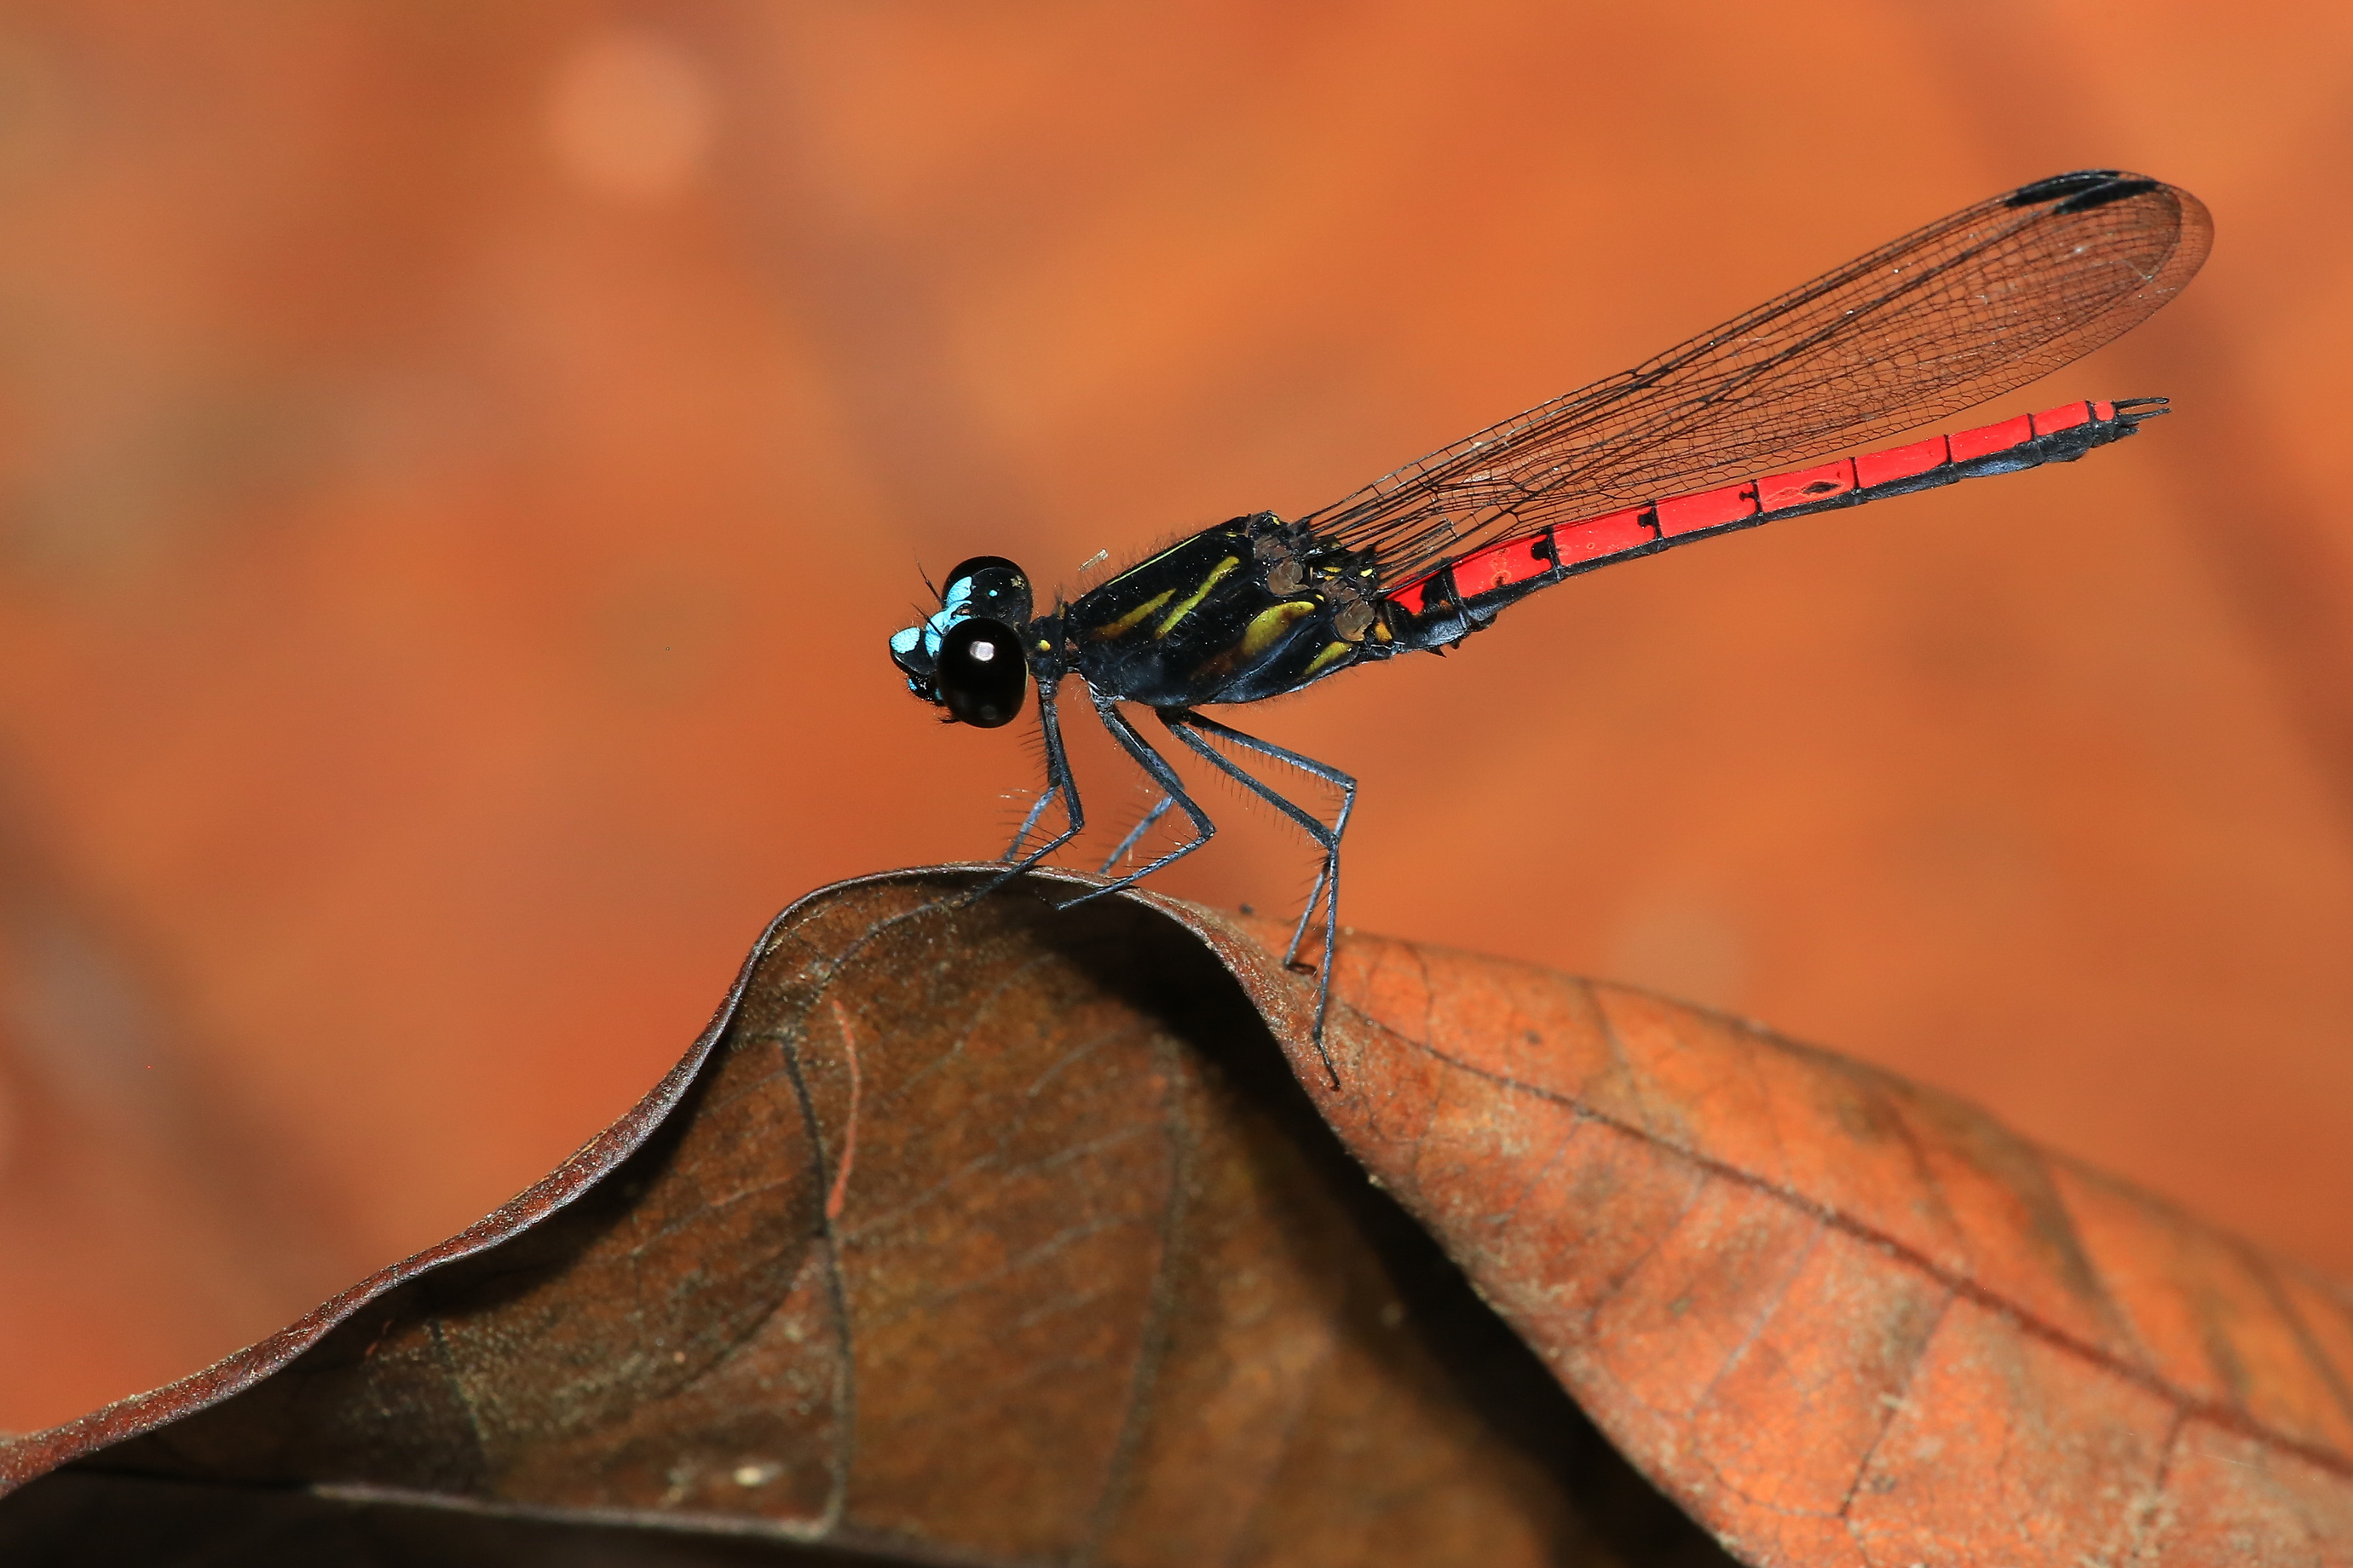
(967, 657)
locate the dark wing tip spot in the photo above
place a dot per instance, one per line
(2114, 191)
(2059, 186)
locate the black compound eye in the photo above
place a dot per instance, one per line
(981, 674)
(979, 564)
(988, 585)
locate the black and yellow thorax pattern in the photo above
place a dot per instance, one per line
(1251, 608)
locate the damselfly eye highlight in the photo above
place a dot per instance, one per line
(980, 674)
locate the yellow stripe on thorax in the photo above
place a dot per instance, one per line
(1199, 593)
(1321, 659)
(1134, 617)
(1269, 624)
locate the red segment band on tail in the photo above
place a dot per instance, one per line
(1988, 438)
(1612, 533)
(1501, 565)
(1412, 597)
(1806, 486)
(1597, 539)
(1709, 508)
(2066, 416)
(1899, 462)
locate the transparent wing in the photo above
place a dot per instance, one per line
(1918, 330)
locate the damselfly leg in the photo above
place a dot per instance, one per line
(1171, 787)
(1058, 783)
(1046, 796)
(1135, 835)
(1182, 722)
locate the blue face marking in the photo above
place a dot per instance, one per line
(932, 630)
(926, 637)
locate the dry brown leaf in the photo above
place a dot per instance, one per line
(992, 1232)
(1842, 1318)
(976, 1232)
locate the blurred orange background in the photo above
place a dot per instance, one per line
(462, 465)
